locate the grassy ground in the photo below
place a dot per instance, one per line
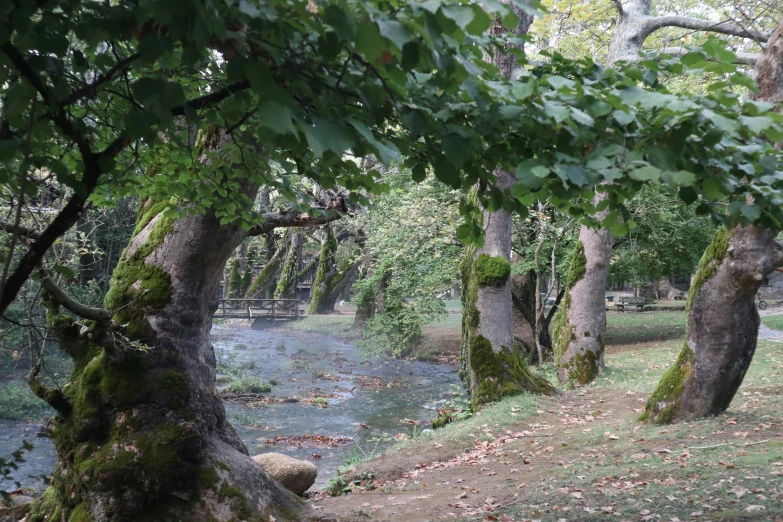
(773, 321)
(583, 456)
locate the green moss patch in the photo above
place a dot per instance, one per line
(137, 287)
(664, 402)
(491, 270)
(563, 333)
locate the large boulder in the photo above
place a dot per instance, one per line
(293, 474)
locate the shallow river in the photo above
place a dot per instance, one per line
(368, 400)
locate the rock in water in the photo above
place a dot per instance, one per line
(293, 474)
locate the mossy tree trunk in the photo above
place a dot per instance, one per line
(286, 285)
(264, 282)
(722, 329)
(330, 280)
(140, 433)
(491, 366)
(365, 308)
(579, 326)
(234, 281)
(723, 322)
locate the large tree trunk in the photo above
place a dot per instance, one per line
(140, 433)
(722, 327)
(491, 366)
(723, 322)
(579, 325)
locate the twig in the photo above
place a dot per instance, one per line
(727, 444)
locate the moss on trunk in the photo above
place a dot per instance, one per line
(286, 284)
(583, 365)
(234, 281)
(263, 281)
(664, 403)
(326, 278)
(489, 373)
(138, 288)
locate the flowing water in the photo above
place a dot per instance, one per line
(366, 401)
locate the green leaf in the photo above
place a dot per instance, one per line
(624, 118)
(557, 111)
(646, 173)
(277, 118)
(461, 15)
(582, 117)
(64, 270)
(326, 135)
(394, 31)
(684, 178)
(752, 212)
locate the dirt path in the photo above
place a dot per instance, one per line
(580, 457)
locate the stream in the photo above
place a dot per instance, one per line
(331, 402)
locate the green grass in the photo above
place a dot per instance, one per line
(18, 403)
(773, 321)
(332, 324)
(624, 328)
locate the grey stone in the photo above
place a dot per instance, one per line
(293, 474)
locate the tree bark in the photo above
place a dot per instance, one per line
(330, 280)
(286, 285)
(261, 287)
(722, 327)
(491, 366)
(723, 322)
(579, 325)
(140, 433)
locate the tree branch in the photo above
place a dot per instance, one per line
(91, 89)
(82, 310)
(18, 229)
(292, 218)
(652, 24)
(742, 58)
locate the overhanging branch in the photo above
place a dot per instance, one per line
(742, 58)
(292, 218)
(82, 310)
(654, 23)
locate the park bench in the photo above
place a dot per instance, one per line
(638, 302)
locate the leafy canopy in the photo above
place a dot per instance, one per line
(107, 97)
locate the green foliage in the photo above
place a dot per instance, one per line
(668, 237)
(18, 403)
(397, 328)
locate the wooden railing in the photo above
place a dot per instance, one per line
(259, 308)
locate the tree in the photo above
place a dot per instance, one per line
(286, 285)
(247, 280)
(234, 281)
(492, 365)
(252, 96)
(330, 279)
(579, 327)
(723, 322)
